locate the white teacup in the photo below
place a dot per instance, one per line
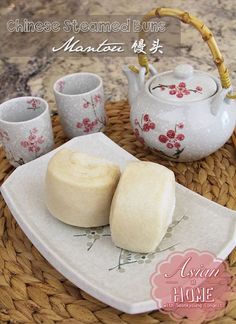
(80, 103)
(25, 129)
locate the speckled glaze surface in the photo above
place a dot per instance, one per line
(25, 129)
(177, 128)
(80, 103)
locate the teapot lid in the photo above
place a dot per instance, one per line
(183, 84)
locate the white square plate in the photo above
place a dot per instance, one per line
(88, 257)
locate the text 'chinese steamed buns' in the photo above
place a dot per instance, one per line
(142, 207)
(80, 187)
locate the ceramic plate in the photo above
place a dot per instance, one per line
(87, 257)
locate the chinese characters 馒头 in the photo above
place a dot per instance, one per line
(139, 47)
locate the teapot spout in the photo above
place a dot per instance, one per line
(133, 83)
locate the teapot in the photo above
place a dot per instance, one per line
(184, 114)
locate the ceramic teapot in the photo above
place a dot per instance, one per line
(184, 114)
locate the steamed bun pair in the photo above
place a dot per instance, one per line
(86, 191)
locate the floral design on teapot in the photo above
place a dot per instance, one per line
(173, 140)
(145, 125)
(178, 90)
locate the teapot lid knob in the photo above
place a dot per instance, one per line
(183, 71)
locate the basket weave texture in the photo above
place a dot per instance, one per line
(32, 291)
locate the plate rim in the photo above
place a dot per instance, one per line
(75, 277)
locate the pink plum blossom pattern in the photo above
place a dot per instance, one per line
(88, 125)
(61, 85)
(33, 142)
(33, 104)
(173, 139)
(145, 125)
(94, 101)
(180, 90)
(4, 137)
(138, 136)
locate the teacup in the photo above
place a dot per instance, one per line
(80, 103)
(25, 129)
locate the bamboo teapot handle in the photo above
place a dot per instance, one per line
(207, 36)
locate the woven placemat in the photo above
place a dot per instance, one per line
(32, 291)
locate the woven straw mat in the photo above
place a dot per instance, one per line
(32, 291)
